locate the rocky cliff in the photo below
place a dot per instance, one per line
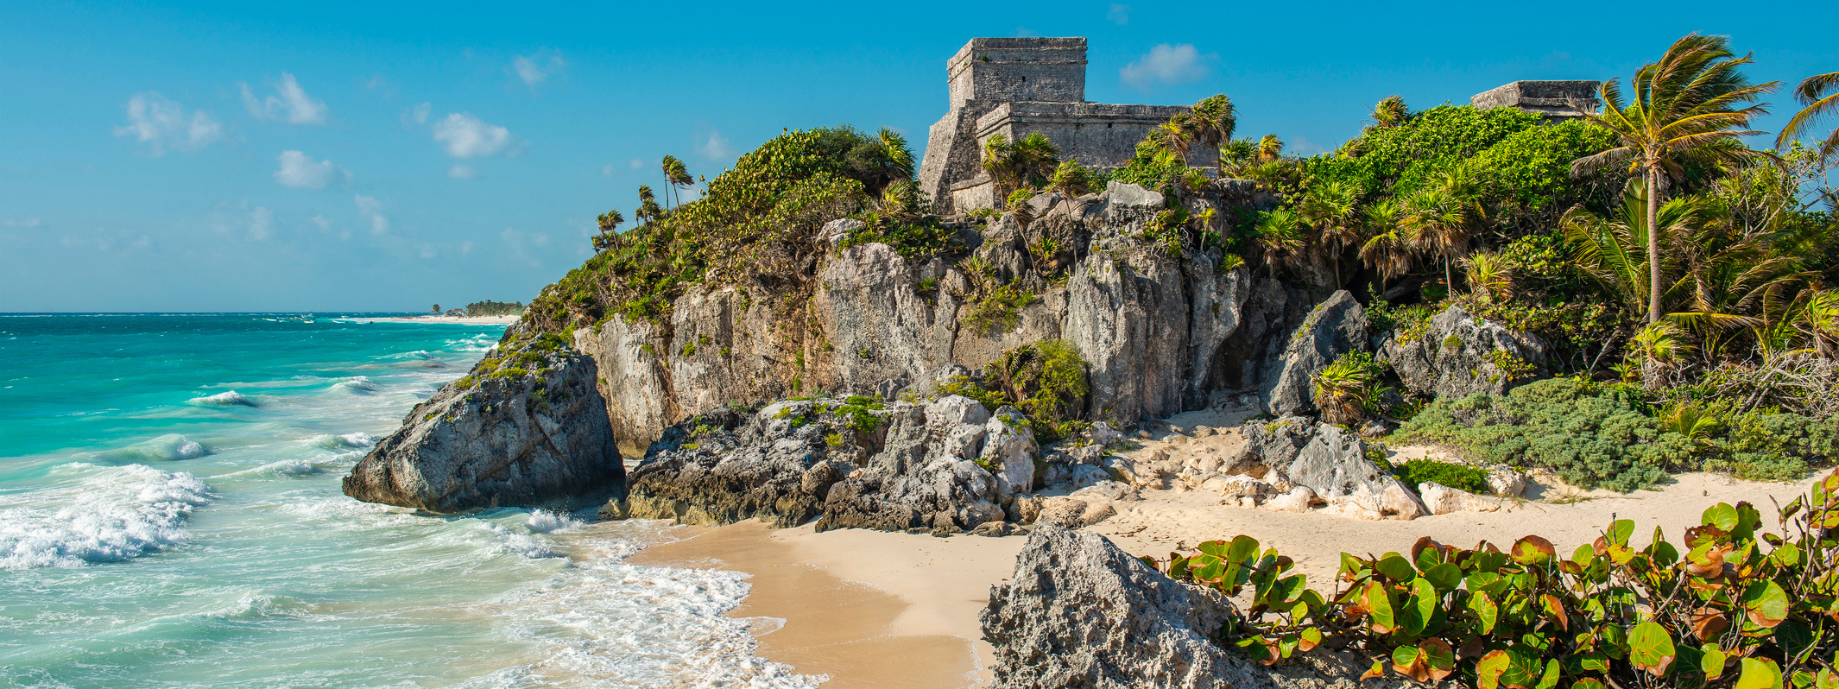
(528, 427)
(1159, 332)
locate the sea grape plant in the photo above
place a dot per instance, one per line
(1728, 606)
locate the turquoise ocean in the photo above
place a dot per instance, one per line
(170, 516)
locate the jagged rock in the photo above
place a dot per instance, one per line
(992, 529)
(1442, 499)
(1079, 613)
(1066, 513)
(1506, 481)
(1336, 327)
(924, 472)
(507, 439)
(1009, 450)
(1084, 475)
(1298, 500)
(1334, 465)
(1110, 490)
(838, 230)
(1459, 354)
(1102, 435)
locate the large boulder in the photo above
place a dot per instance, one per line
(1336, 327)
(1331, 463)
(1459, 354)
(528, 427)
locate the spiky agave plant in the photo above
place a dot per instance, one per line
(1489, 276)
(1347, 389)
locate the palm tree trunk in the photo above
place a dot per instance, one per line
(1449, 283)
(1653, 244)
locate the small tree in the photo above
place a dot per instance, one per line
(436, 309)
(676, 177)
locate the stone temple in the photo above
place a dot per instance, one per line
(1556, 100)
(1015, 87)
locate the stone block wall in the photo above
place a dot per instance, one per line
(1018, 69)
(1553, 99)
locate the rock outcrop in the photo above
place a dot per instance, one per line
(1336, 327)
(1459, 354)
(1294, 452)
(1157, 331)
(527, 428)
(946, 467)
(1079, 613)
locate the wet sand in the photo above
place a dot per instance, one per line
(867, 608)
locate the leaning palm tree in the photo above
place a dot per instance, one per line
(1269, 148)
(676, 178)
(1029, 162)
(1213, 120)
(1437, 223)
(648, 205)
(1386, 248)
(1390, 112)
(1695, 98)
(1820, 93)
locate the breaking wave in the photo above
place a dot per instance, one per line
(117, 513)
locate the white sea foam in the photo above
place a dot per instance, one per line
(518, 543)
(545, 521)
(360, 441)
(356, 385)
(223, 399)
(165, 448)
(115, 513)
(603, 623)
(285, 467)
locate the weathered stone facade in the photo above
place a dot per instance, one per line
(1015, 87)
(1556, 100)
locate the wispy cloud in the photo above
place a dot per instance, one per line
(1167, 64)
(537, 67)
(1119, 14)
(381, 85)
(417, 115)
(606, 170)
(525, 245)
(163, 124)
(372, 210)
(299, 171)
(462, 172)
(21, 222)
(715, 147)
(636, 163)
(261, 222)
(289, 103)
(466, 136)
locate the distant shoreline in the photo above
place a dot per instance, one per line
(459, 320)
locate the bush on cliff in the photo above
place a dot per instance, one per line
(754, 223)
(1729, 606)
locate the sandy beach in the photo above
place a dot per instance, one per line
(876, 609)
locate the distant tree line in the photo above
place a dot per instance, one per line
(494, 308)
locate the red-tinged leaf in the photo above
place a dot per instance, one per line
(1554, 608)
(1439, 658)
(1651, 649)
(1533, 551)
(1765, 603)
(1708, 623)
(1310, 638)
(1488, 670)
(1378, 670)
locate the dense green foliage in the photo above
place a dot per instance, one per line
(1461, 476)
(494, 308)
(1046, 380)
(1590, 435)
(1730, 606)
(1349, 388)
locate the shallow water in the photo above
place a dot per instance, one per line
(170, 515)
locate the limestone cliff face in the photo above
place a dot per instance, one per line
(534, 435)
(1159, 332)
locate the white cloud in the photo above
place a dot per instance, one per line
(462, 172)
(1167, 64)
(536, 67)
(290, 103)
(300, 171)
(715, 147)
(1119, 14)
(260, 220)
(372, 209)
(636, 163)
(162, 123)
(382, 85)
(606, 170)
(24, 223)
(467, 137)
(524, 246)
(322, 221)
(417, 114)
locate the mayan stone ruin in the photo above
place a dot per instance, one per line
(1015, 87)
(1556, 100)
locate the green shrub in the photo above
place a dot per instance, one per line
(1348, 389)
(999, 310)
(1774, 446)
(1590, 435)
(1458, 476)
(1047, 381)
(1727, 607)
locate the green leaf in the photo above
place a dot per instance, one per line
(1550, 678)
(1394, 567)
(1721, 515)
(1788, 555)
(1712, 662)
(1766, 603)
(1420, 607)
(1759, 673)
(1533, 551)
(1380, 612)
(1214, 548)
(1242, 549)
(1489, 669)
(1444, 576)
(1620, 530)
(1588, 683)
(1650, 648)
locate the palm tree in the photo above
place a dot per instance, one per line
(1684, 106)
(1390, 112)
(899, 156)
(1029, 162)
(609, 227)
(1208, 123)
(1331, 207)
(677, 177)
(648, 205)
(1820, 93)
(1609, 249)
(1280, 232)
(1385, 248)
(1071, 179)
(1437, 223)
(1269, 148)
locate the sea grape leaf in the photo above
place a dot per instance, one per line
(1766, 603)
(1533, 551)
(1758, 673)
(1650, 648)
(1396, 568)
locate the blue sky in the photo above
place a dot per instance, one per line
(384, 156)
